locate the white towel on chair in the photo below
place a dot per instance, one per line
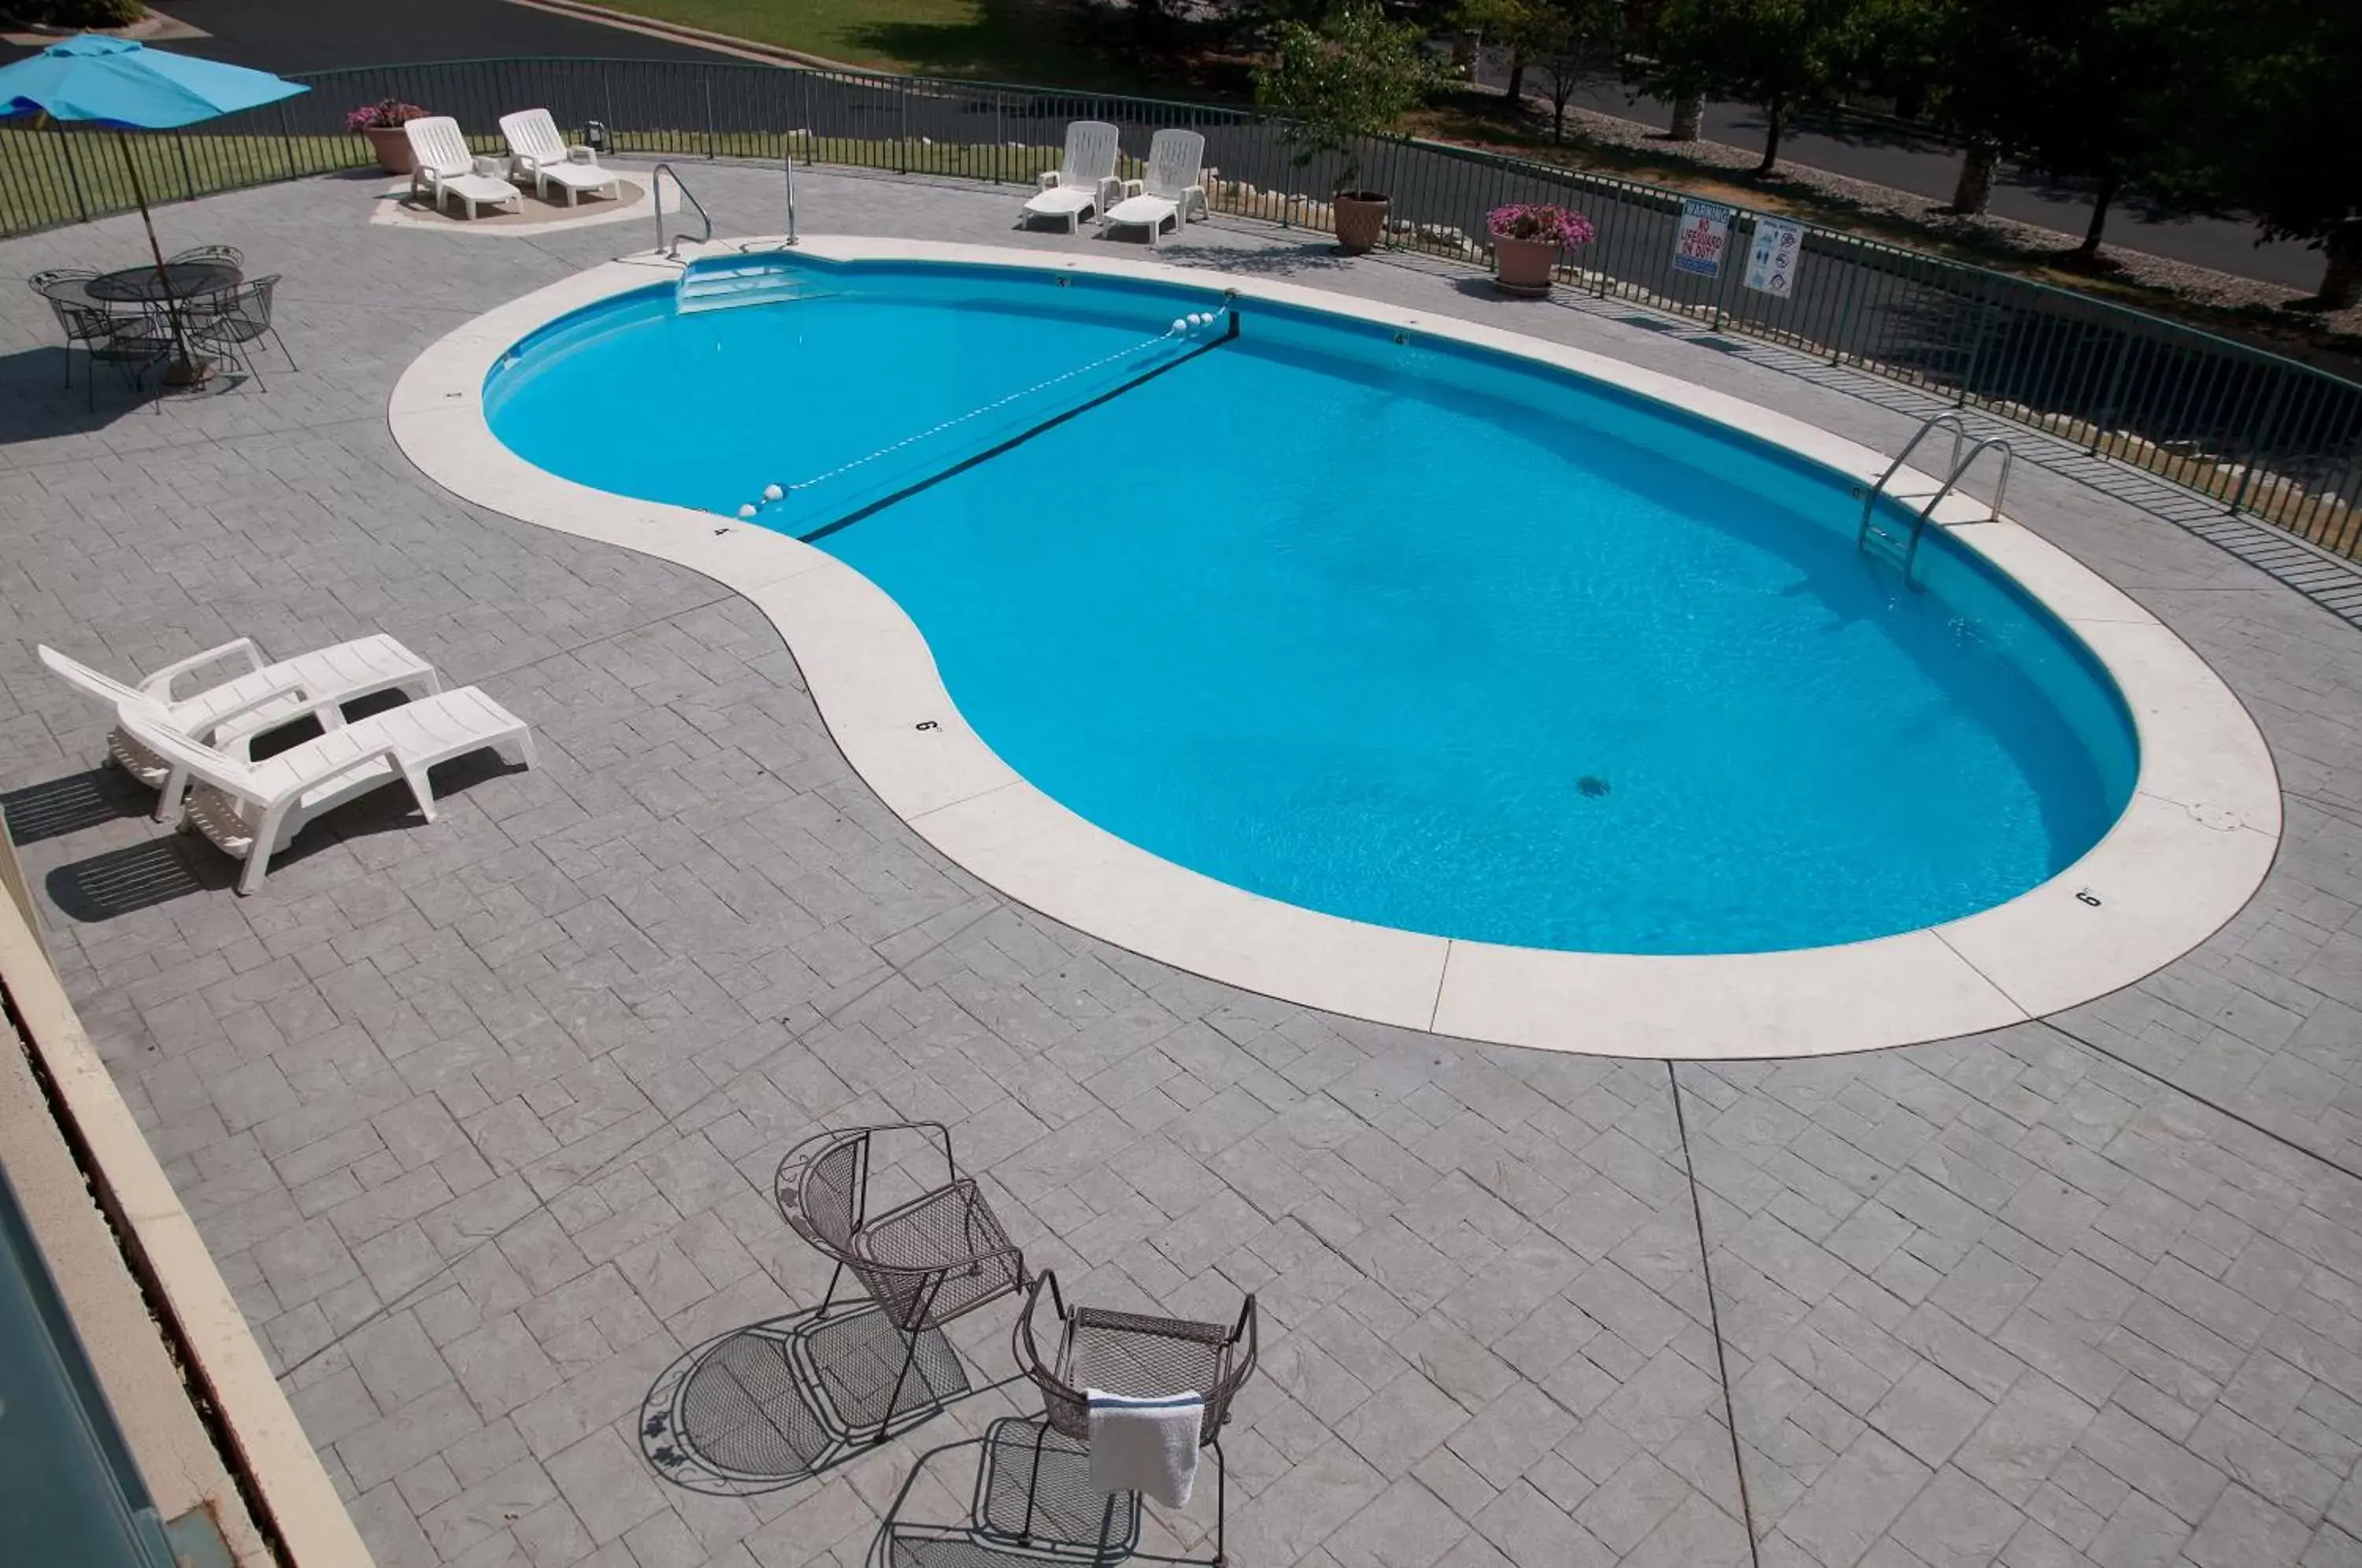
(1148, 1446)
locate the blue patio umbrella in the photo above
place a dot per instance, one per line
(126, 86)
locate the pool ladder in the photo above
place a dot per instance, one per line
(1876, 538)
(656, 194)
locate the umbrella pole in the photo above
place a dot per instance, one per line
(184, 369)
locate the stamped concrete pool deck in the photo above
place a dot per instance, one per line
(479, 1118)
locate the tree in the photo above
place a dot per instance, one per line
(1505, 23)
(2088, 89)
(1350, 80)
(2276, 139)
(1566, 38)
(1571, 40)
(1782, 56)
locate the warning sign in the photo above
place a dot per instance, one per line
(1702, 238)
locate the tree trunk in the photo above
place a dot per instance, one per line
(1771, 118)
(1970, 196)
(2341, 285)
(2101, 199)
(1516, 76)
(1689, 114)
(1558, 121)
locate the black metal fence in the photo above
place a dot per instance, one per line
(2259, 432)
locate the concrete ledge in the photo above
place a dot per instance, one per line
(2191, 849)
(299, 1504)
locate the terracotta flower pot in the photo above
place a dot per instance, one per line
(392, 146)
(1361, 220)
(1522, 267)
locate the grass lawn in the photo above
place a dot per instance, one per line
(49, 177)
(1028, 40)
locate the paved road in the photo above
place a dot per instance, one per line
(1908, 160)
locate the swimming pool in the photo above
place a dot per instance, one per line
(1405, 631)
(2190, 846)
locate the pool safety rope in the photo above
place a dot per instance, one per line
(1192, 329)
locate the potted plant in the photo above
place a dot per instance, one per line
(1350, 80)
(381, 122)
(1527, 239)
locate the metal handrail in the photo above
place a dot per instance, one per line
(1960, 470)
(1954, 473)
(656, 195)
(1946, 420)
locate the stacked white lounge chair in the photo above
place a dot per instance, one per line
(446, 167)
(1084, 182)
(199, 742)
(537, 149)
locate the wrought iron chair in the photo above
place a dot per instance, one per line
(231, 323)
(130, 343)
(1141, 1356)
(78, 314)
(227, 255)
(939, 1256)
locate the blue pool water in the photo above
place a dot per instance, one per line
(1400, 631)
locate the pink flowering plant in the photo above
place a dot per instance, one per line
(384, 115)
(1539, 220)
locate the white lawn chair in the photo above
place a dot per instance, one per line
(251, 809)
(1173, 190)
(541, 152)
(228, 714)
(448, 169)
(1084, 182)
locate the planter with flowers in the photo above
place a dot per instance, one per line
(381, 122)
(1527, 241)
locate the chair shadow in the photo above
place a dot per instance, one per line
(1031, 1502)
(35, 404)
(768, 1405)
(141, 875)
(76, 802)
(138, 876)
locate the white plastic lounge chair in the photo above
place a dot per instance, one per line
(541, 152)
(1173, 190)
(1084, 182)
(228, 714)
(252, 809)
(448, 169)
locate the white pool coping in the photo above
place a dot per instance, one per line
(2192, 847)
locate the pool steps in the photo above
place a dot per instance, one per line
(718, 283)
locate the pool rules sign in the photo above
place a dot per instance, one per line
(1703, 236)
(1772, 260)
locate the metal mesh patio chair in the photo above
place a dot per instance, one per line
(78, 314)
(926, 1261)
(130, 343)
(1140, 1356)
(227, 255)
(232, 323)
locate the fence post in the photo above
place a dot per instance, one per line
(999, 133)
(73, 175)
(713, 144)
(2115, 385)
(2255, 443)
(902, 127)
(1976, 352)
(1729, 265)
